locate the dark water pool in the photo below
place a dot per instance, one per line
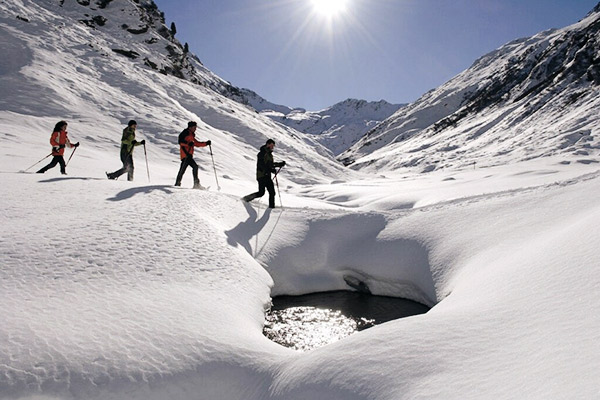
(314, 320)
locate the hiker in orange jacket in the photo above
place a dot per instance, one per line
(187, 143)
(58, 141)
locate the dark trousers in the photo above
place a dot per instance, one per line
(127, 160)
(56, 160)
(187, 161)
(264, 183)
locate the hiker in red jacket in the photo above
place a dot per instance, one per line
(58, 141)
(187, 143)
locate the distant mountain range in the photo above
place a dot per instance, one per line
(336, 127)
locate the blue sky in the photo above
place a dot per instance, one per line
(376, 49)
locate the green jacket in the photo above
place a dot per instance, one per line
(128, 140)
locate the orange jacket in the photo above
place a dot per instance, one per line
(58, 139)
(187, 142)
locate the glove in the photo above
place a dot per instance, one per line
(62, 146)
(191, 143)
(208, 142)
(76, 144)
(282, 163)
(54, 148)
(143, 142)
(133, 142)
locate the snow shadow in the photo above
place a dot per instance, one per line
(349, 252)
(70, 178)
(129, 193)
(243, 232)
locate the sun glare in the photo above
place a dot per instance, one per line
(329, 8)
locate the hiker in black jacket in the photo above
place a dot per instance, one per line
(264, 167)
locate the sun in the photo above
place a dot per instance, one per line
(329, 8)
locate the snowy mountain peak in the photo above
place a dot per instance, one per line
(336, 127)
(595, 10)
(527, 99)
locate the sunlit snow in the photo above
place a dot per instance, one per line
(141, 290)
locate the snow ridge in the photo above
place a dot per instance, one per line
(530, 98)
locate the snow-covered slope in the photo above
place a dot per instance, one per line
(60, 62)
(531, 98)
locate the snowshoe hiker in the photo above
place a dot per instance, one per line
(264, 167)
(128, 142)
(58, 140)
(187, 142)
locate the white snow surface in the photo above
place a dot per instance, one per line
(139, 290)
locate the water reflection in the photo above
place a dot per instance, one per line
(306, 322)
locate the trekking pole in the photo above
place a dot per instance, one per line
(214, 168)
(25, 170)
(73, 152)
(277, 184)
(146, 156)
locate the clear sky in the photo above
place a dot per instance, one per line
(302, 54)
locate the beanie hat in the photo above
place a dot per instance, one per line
(192, 123)
(270, 141)
(132, 122)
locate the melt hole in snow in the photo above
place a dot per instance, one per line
(314, 320)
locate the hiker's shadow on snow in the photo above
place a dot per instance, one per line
(129, 193)
(70, 178)
(244, 231)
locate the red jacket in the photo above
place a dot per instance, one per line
(187, 142)
(59, 139)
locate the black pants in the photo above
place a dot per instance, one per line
(188, 161)
(56, 160)
(127, 160)
(264, 183)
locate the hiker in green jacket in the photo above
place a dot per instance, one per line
(128, 142)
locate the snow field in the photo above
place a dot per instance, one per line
(119, 289)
